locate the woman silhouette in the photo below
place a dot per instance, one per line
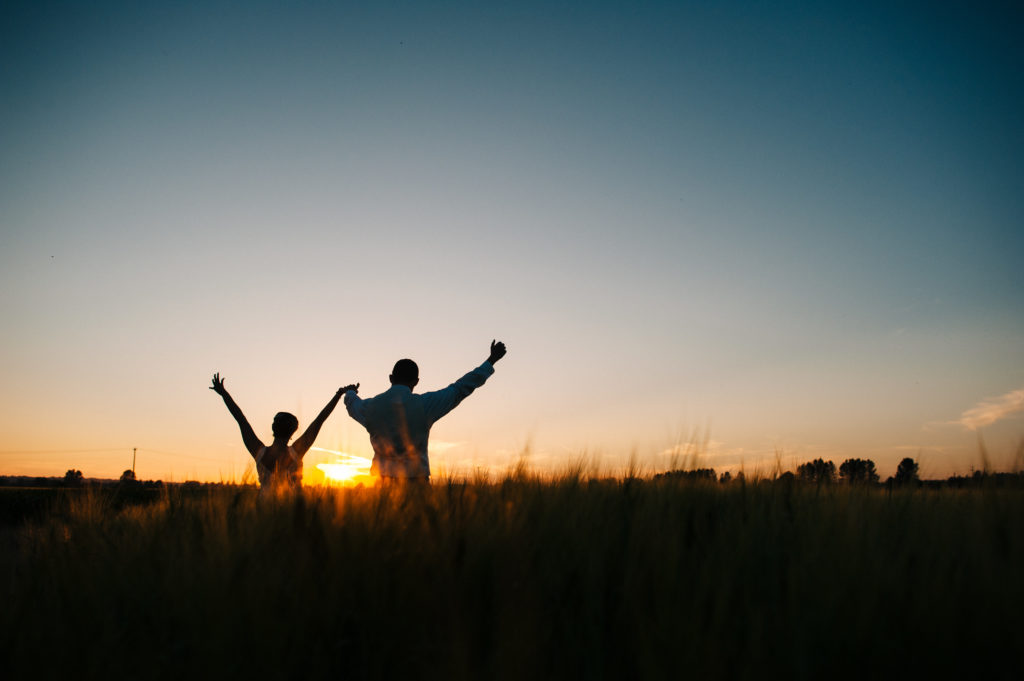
(280, 464)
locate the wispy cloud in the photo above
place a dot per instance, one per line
(440, 446)
(992, 409)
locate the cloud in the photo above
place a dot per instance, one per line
(440, 446)
(991, 410)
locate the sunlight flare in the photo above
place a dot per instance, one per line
(346, 469)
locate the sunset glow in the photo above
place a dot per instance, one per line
(347, 470)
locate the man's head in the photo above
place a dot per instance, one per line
(284, 424)
(405, 373)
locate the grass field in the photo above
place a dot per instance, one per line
(516, 578)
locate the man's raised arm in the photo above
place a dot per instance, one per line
(440, 402)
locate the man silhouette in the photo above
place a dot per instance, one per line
(399, 422)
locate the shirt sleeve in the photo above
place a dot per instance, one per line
(440, 402)
(356, 407)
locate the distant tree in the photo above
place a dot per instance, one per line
(128, 476)
(906, 473)
(818, 471)
(858, 471)
(73, 478)
(725, 478)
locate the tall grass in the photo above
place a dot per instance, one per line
(522, 578)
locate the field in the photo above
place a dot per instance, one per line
(515, 578)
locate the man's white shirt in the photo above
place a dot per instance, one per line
(399, 422)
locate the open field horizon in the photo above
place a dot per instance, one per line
(693, 453)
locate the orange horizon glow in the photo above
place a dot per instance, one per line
(347, 470)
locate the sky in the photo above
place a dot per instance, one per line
(733, 235)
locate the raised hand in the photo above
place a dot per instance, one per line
(218, 385)
(497, 351)
(252, 443)
(354, 387)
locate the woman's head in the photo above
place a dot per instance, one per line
(285, 424)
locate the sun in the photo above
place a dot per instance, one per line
(347, 470)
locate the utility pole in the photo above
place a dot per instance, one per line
(133, 460)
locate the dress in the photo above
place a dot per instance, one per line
(283, 470)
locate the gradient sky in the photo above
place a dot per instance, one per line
(787, 229)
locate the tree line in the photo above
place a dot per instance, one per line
(854, 472)
(818, 472)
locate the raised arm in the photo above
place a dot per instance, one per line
(305, 441)
(252, 443)
(440, 402)
(355, 405)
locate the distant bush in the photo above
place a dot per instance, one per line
(906, 473)
(981, 479)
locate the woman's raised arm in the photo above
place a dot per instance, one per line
(252, 443)
(305, 441)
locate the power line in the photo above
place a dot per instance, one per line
(185, 456)
(114, 450)
(63, 451)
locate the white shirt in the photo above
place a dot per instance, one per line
(399, 422)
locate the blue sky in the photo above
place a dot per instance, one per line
(797, 226)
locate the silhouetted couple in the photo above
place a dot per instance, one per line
(397, 420)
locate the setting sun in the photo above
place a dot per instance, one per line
(346, 469)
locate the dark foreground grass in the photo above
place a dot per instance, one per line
(521, 579)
